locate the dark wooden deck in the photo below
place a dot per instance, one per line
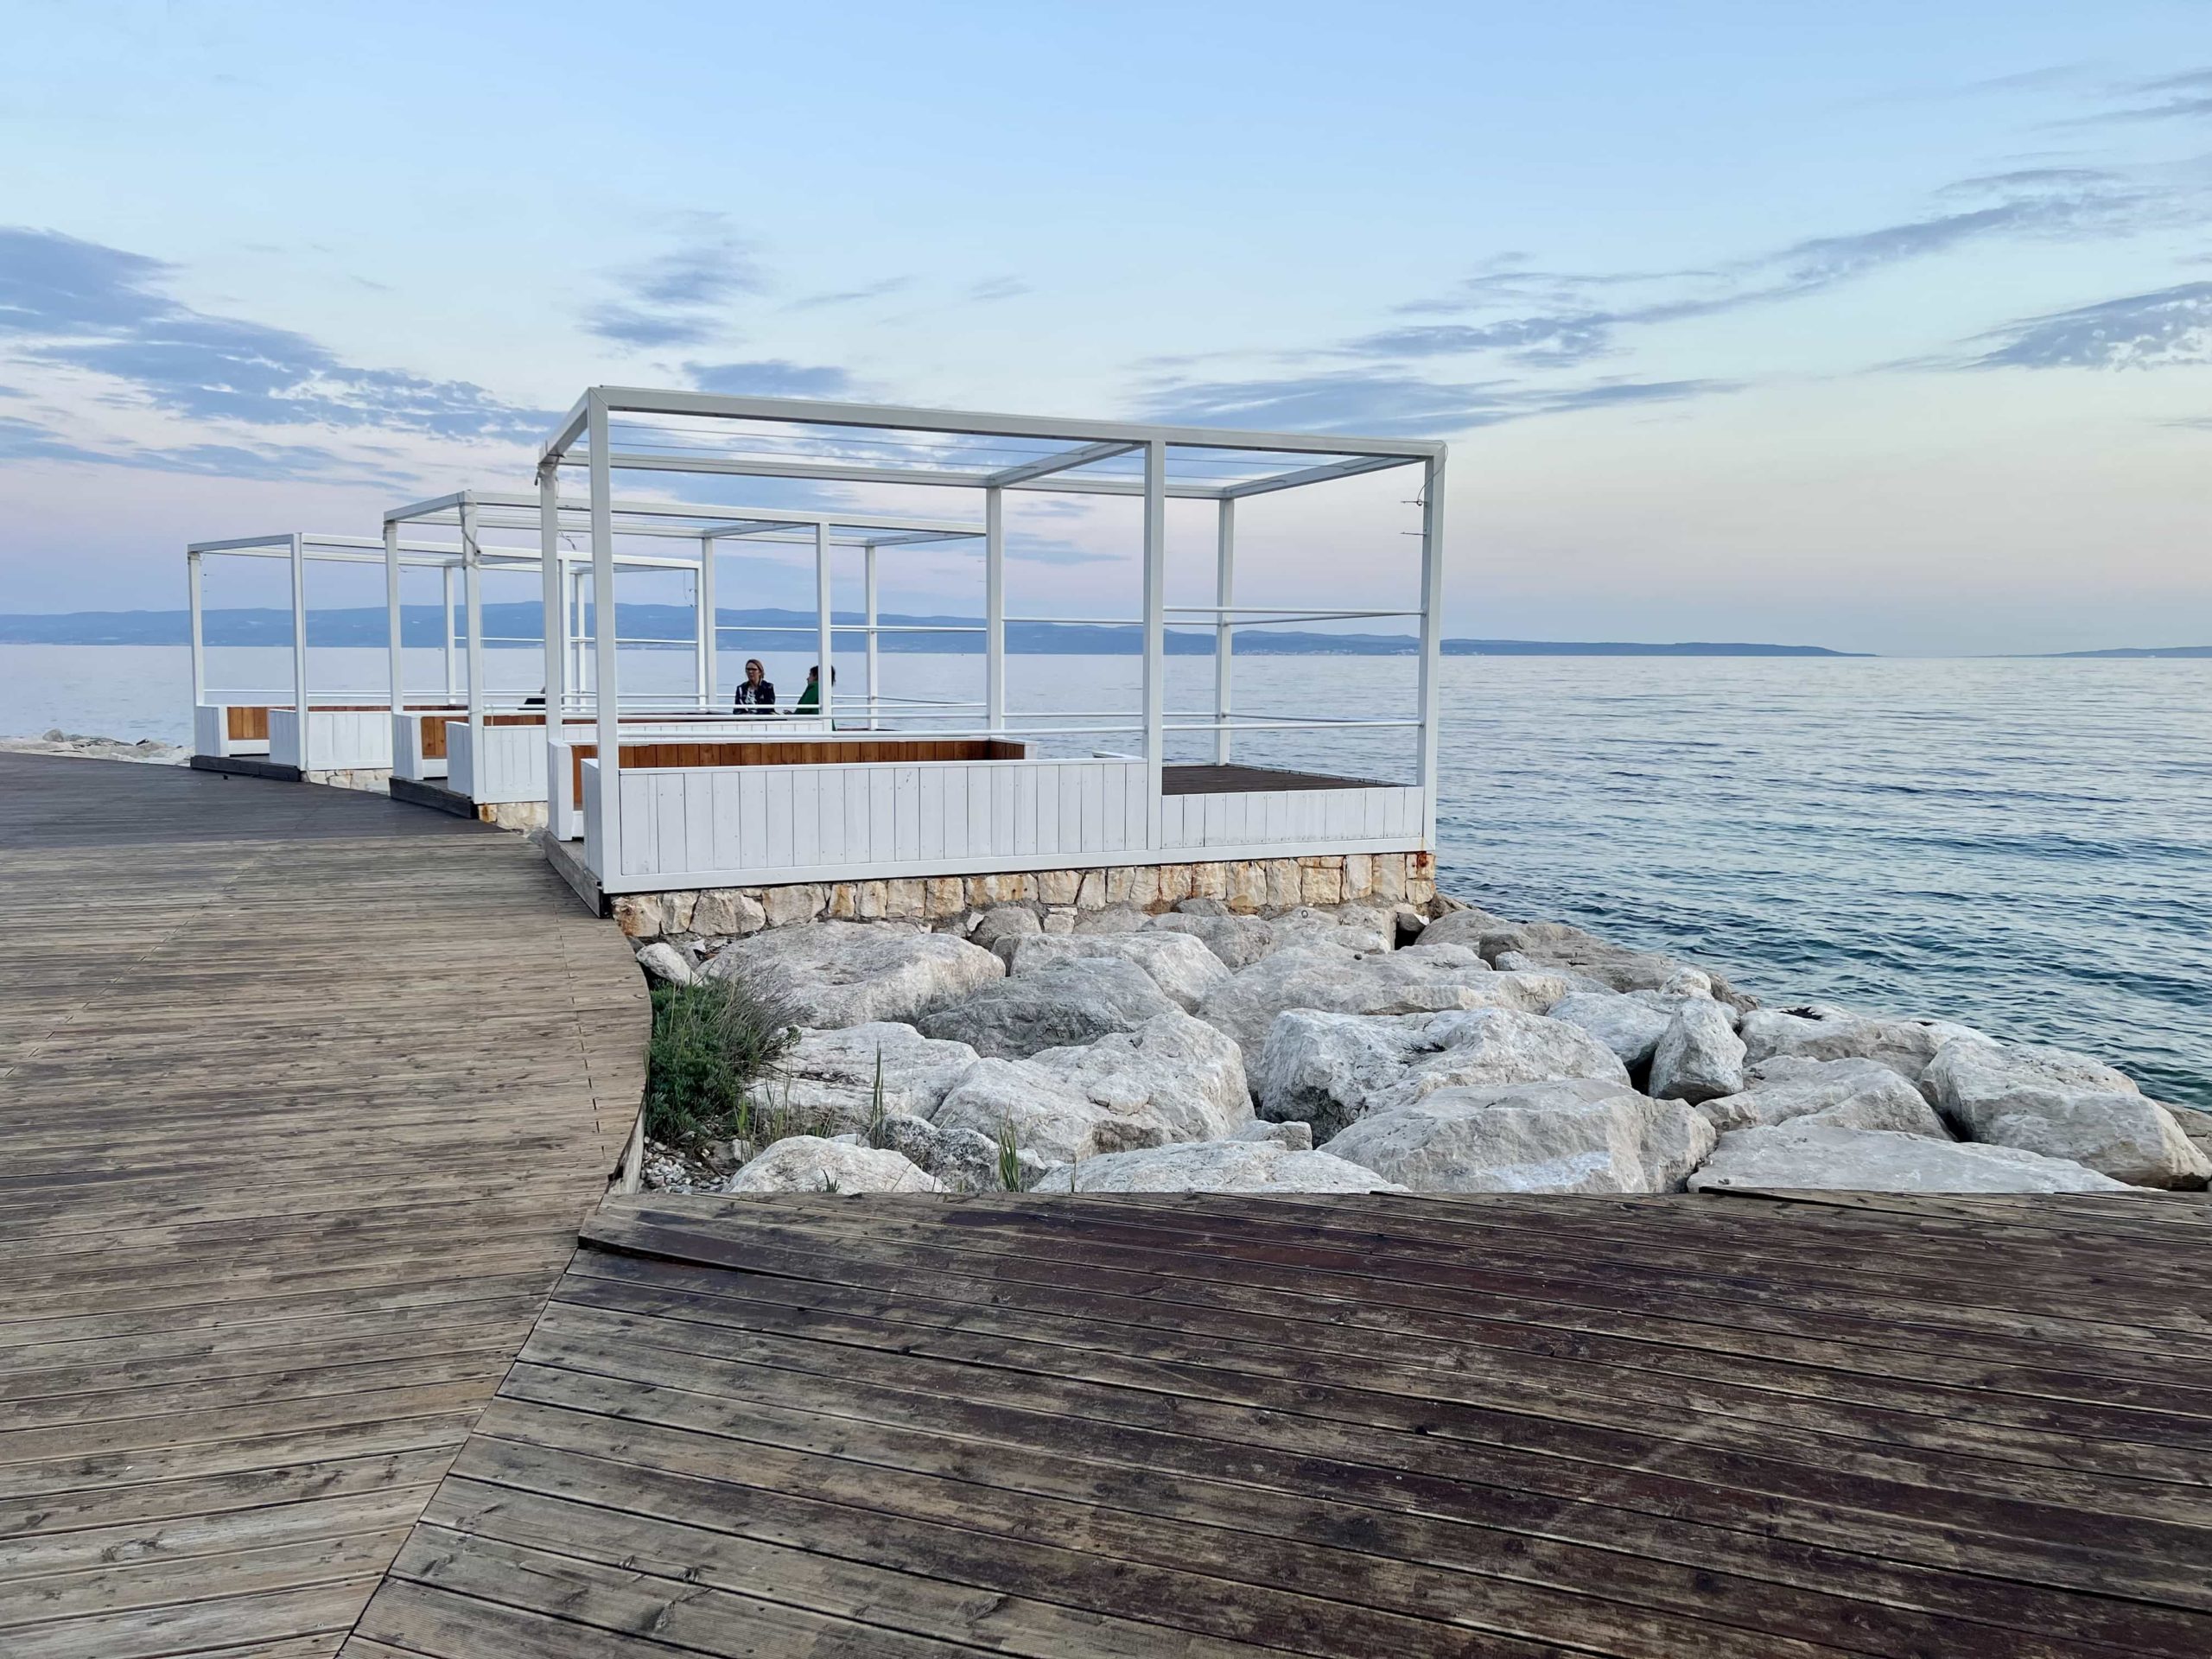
(303, 1094)
(1731, 1429)
(1251, 781)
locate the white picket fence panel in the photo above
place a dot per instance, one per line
(337, 739)
(1296, 820)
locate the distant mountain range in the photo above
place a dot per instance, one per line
(509, 624)
(2142, 651)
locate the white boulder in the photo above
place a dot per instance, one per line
(1818, 1031)
(1237, 941)
(1631, 1028)
(2063, 1105)
(806, 1163)
(1215, 1166)
(1002, 927)
(1291, 1137)
(1181, 965)
(1698, 1056)
(1843, 1094)
(1417, 979)
(1048, 1117)
(663, 960)
(827, 1078)
(836, 974)
(1175, 1070)
(1569, 1135)
(1331, 1069)
(1077, 1000)
(1821, 1157)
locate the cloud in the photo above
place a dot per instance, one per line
(2184, 97)
(1540, 318)
(22, 439)
(997, 287)
(852, 296)
(770, 378)
(678, 298)
(1395, 405)
(72, 303)
(1051, 550)
(2166, 326)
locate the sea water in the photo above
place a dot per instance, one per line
(2024, 845)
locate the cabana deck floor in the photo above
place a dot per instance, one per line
(303, 1094)
(1739, 1429)
(1251, 781)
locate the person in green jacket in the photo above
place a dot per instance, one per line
(810, 701)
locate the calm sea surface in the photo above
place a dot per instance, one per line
(2026, 846)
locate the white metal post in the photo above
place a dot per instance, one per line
(994, 610)
(572, 590)
(193, 601)
(1155, 632)
(1431, 631)
(300, 639)
(445, 634)
(1224, 595)
(709, 623)
(607, 679)
(553, 596)
(822, 640)
(472, 587)
(868, 601)
(393, 643)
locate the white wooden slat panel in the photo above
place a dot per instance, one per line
(1135, 805)
(858, 840)
(776, 815)
(1068, 838)
(1048, 813)
(1025, 811)
(906, 840)
(929, 811)
(1170, 821)
(1217, 826)
(828, 817)
(728, 813)
(752, 817)
(1003, 786)
(882, 814)
(977, 835)
(1114, 807)
(640, 846)
(699, 821)
(672, 819)
(805, 784)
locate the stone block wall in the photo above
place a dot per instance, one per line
(1245, 886)
(376, 780)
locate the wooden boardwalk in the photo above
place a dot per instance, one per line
(1725, 1428)
(303, 1094)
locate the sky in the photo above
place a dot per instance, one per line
(1887, 327)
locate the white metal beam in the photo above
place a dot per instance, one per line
(393, 642)
(1225, 634)
(553, 597)
(1045, 466)
(993, 609)
(635, 400)
(300, 640)
(869, 615)
(1431, 628)
(471, 578)
(708, 620)
(192, 603)
(825, 669)
(1305, 475)
(1155, 632)
(607, 677)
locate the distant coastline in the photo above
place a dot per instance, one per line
(2142, 651)
(366, 625)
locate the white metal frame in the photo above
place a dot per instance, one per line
(476, 517)
(298, 550)
(845, 443)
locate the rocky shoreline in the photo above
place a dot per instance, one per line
(1373, 1047)
(146, 751)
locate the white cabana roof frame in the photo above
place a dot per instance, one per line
(477, 517)
(618, 428)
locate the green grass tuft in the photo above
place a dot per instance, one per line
(712, 1043)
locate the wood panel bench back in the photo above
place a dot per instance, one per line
(827, 753)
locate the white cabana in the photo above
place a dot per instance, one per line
(501, 748)
(662, 818)
(299, 728)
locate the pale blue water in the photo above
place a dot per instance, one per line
(2024, 845)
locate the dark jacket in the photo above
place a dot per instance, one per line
(761, 696)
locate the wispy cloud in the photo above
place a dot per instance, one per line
(64, 301)
(771, 377)
(22, 439)
(1538, 318)
(2186, 96)
(680, 298)
(2166, 326)
(993, 289)
(876, 290)
(1387, 404)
